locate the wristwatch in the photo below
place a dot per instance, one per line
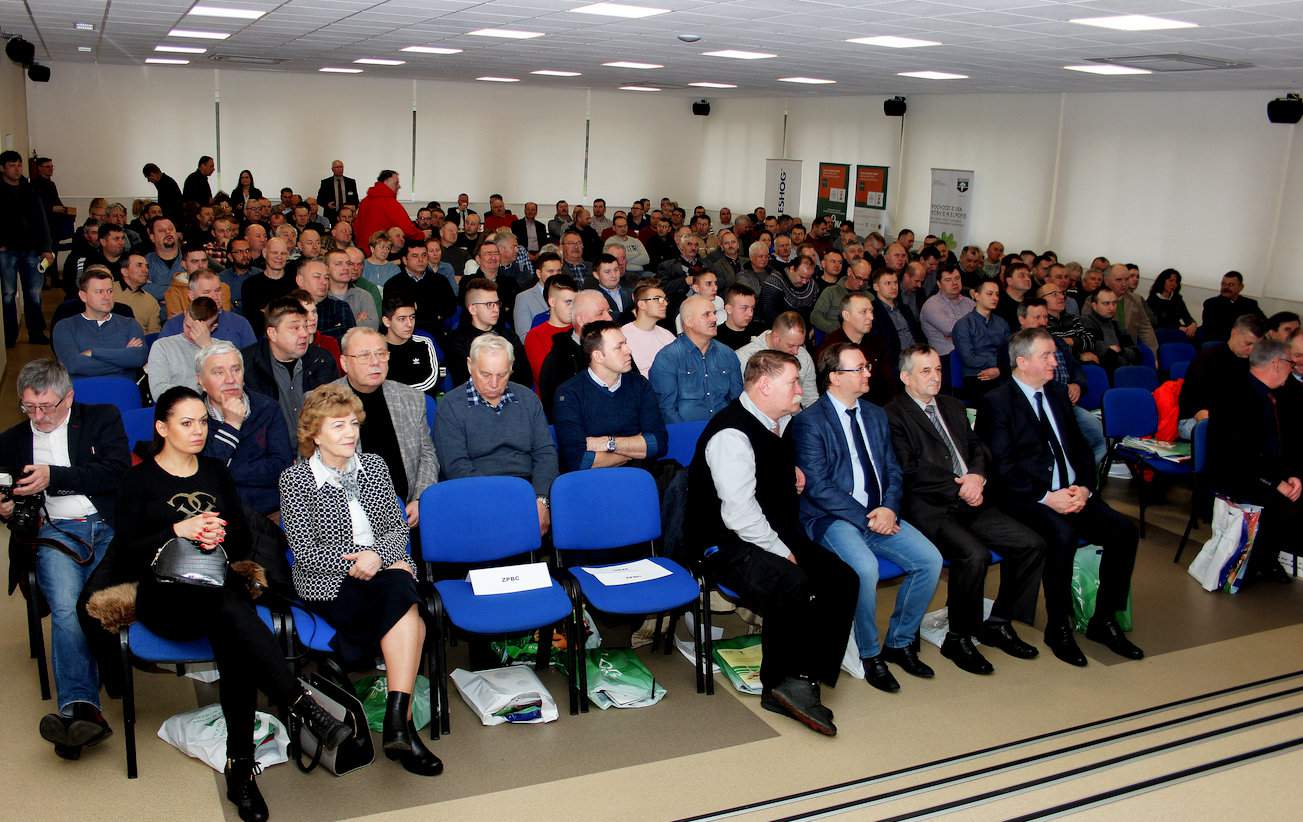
(610, 445)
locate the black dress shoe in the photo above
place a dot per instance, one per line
(71, 752)
(419, 759)
(960, 650)
(796, 698)
(907, 659)
(1273, 572)
(1060, 640)
(1109, 634)
(395, 739)
(877, 674)
(328, 730)
(85, 727)
(1001, 635)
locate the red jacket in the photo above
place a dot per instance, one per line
(381, 211)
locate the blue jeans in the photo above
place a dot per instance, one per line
(1093, 430)
(13, 263)
(76, 679)
(913, 552)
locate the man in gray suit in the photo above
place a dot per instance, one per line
(395, 426)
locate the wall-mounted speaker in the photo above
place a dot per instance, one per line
(1287, 109)
(701, 108)
(895, 107)
(20, 51)
(38, 73)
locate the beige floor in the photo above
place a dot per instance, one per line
(692, 755)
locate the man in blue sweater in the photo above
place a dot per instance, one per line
(606, 416)
(97, 342)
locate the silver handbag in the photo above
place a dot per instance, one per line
(183, 561)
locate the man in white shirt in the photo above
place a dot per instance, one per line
(787, 334)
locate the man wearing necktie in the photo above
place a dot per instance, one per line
(851, 507)
(945, 467)
(336, 191)
(1044, 476)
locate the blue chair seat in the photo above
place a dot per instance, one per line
(487, 615)
(313, 631)
(148, 646)
(1158, 464)
(888, 570)
(649, 597)
(727, 592)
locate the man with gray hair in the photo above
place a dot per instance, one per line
(1132, 315)
(67, 462)
(246, 430)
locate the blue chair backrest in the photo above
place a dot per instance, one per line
(1147, 356)
(580, 525)
(150, 339)
(1199, 446)
(1170, 335)
(1129, 412)
(683, 438)
(1169, 354)
(956, 370)
(1135, 376)
(1211, 344)
(1177, 371)
(1096, 385)
(431, 413)
(540, 318)
(479, 519)
(118, 391)
(139, 423)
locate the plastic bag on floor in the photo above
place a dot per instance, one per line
(373, 691)
(1222, 561)
(500, 695)
(936, 624)
(617, 677)
(523, 650)
(1085, 587)
(739, 658)
(201, 733)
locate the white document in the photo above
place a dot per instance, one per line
(509, 579)
(630, 572)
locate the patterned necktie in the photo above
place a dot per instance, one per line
(871, 487)
(955, 464)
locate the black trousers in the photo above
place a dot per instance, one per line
(964, 536)
(245, 651)
(808, 606)
(1277, 531)
(1096, 523)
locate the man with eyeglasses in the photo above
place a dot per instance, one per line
(827, 313)
(645, 334)
(395, 426)
(76, 455)
(488, 266)
(1109, 341)
(481, 312)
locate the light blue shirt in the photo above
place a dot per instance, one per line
(861, 492)
(1056, 482)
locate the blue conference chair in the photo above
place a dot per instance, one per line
(597, 533)
(683, 438)
(1199, 461)
(139, 423)
(1131, 412)
(1096, 385)
(956, 372)
(1178, 370)
(431, 413)
(1135, 376)
(1170, 335)
(1169, 354)
(150, 339)
(118, 391)
(482, 522)
(1147, 356)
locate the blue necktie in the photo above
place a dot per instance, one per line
(862, 451)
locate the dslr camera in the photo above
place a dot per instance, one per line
(25, 521)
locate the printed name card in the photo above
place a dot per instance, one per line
(631, 572)
(509, 579)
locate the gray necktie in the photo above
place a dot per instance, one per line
(339, 193)
(955, 464)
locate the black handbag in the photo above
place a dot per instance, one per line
(182, 561)
(358, 751)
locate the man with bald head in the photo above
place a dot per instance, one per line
(337, 190)
(696, 375)
(272, 282)
(1132, 316)
(567, 357)
(530, 231)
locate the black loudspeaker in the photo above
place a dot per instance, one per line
(701, 108)
(20, 51)
(895, 107)
(1287, 109)
(38, 73)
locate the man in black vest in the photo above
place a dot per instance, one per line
(743, 517)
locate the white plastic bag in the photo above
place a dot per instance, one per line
(513, 694)
(1227, 524)
(201, 733)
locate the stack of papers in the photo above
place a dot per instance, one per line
(1173, 451)
(628, 573)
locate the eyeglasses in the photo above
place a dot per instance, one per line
(43, 408)
(659, 299)
(863, 369)
(378, 356)
(489, 302)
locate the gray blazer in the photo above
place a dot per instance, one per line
(407, 409)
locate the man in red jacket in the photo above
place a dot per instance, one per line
(381, 211)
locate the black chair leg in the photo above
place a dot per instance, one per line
(1141, 496)
(708, 642)
(128, 703)
(1185, 537)
(36, 635)
(657, 632)
(671, 633)
(544, 655)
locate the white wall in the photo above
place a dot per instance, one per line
(1188, 180)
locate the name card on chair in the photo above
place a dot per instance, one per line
(628, 573)
(509, 579)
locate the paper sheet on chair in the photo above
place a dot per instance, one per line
(509, 579)
(630, 572)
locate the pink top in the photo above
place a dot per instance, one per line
(645, 344)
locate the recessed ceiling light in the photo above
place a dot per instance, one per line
(1104, 68)
(219, 11)
(1134, 22)
(620, 10)
(431, 50)
(85, 48)
(734, 54)
(166, 61)
(809, 81)
(551, 73)
(510, 34)
(198, 35)
(632, 65)
(932, 75)
(181, 49)
(638, 88)
(890, 42)
(332, 70)
(499, 79)
(376, 61)
(713, 85)
(84, 26)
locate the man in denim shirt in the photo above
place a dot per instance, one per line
(981, 338)
(695, 375)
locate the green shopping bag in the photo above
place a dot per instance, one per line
(739, 658)
(1085, 586)
(617, 677)
(374, 693)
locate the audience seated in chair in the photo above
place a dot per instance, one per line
(172, 359)
(285, 365)
(229, 326)
(412, 358)
(1111, 345)
(982, 340)
(99, 342)
(1221, 312)
(130, 291)
(481, 314)
(1032, 313)
(1215, 368)
(565, 358)
(857, 329)
(788, 334)
(695, 376)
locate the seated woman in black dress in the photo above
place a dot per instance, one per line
(179, 493)
(351, 565)
(1168, 306)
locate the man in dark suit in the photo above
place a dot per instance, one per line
(945, 467)
(530, 231)
(1247, 456)
(851, 506)
(606, 281)
(76, 455)
(457, 216)
(1221, 312)
(337, 190)
(1044, 476)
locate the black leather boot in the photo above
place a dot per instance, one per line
(419, 759)
(397, 740)
(326, 728)
(243, 791)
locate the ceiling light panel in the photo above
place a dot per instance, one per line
(713, 85)
(376, 61)
(1103, 68)
(628, 64)
(890, 42)
(932, 75)
(1134, 22)
(554, 73)
(335, 70)
(222, 11)
(619, 10)
(735, 54)
(194, 34)
(181, 49)
(509, 34)
(808, 81)
(430, 50)
(638, 88)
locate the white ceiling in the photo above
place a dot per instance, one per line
(1003, 45)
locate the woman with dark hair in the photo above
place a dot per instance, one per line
(179, 493)
(244, 191)
(349, 538)
(1168, 306)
